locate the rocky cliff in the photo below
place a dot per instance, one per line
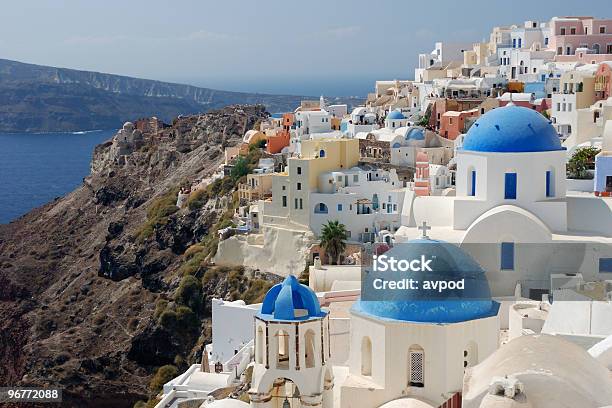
(101, 287)
(35, 98)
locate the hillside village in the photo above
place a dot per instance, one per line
(497, 157)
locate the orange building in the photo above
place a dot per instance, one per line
(452, 123)
(281, 139)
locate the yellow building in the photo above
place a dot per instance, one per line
(291, 189)
(257, 186)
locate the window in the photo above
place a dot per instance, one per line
(299, 186)
(366, 356)
(282, 350)
(609, 49)
(520, 42)
(321, 153)
(507, 256)
(573, 31)
(569, 107)
(602, 29)
(299, 170)
(301, 208)
(310, 354)
(295, 203)
(550, 184)
(562, 30)
(355, 178)
(514, 43)
(472, 183)
(416, 363)
(558, 106)
(545, 40)
(259, 352)
(568, 50)
(605, 265)
(284, 201)
(510, 183)
(339, 207)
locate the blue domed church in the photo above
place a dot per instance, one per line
(510, 209)
(418, 346)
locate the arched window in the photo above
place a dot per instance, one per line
(282, 351)
(596, 48)
(259, 352)
(366, 356)
(310, 348)
(470, 355)
(416, 366)
(321, 208)
(321, 153)
(375, 202)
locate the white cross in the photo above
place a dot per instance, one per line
(424, 227)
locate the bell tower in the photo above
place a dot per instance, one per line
(292, 350)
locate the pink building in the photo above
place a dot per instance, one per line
(421, 175)
(567, 34)
(603, 81)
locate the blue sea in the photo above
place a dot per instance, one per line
(35, 168)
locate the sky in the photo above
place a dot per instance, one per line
(314, 47)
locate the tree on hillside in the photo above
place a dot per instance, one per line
(333, 236)
(580, 163)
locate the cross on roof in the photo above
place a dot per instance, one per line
(424, 228)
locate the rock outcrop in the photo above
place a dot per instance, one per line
(80, 277)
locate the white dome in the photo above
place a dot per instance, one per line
(225, 403)
(555, 373)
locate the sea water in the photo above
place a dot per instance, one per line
(35, 168)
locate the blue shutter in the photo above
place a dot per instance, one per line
(510, 193)
(507, 255)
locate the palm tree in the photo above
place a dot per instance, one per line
(333, 235)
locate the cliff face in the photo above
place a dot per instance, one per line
(36, 98)
(81, 277)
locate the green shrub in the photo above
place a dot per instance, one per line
(158, 212)
(162, 376)
(197, 199)
(160, 306)
(186, 319)
(189, 293)
(241, 168)
(580, 163)
(168, 320)
(195, 264)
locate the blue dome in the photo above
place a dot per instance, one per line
(290, 300)
(512, 129)
(415, 134)
(418, 305)
(395, 115)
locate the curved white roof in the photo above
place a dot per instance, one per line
(225, 403)
(555, 373)
(406, 403)
(602, 352)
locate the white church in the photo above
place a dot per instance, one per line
(511, 210)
